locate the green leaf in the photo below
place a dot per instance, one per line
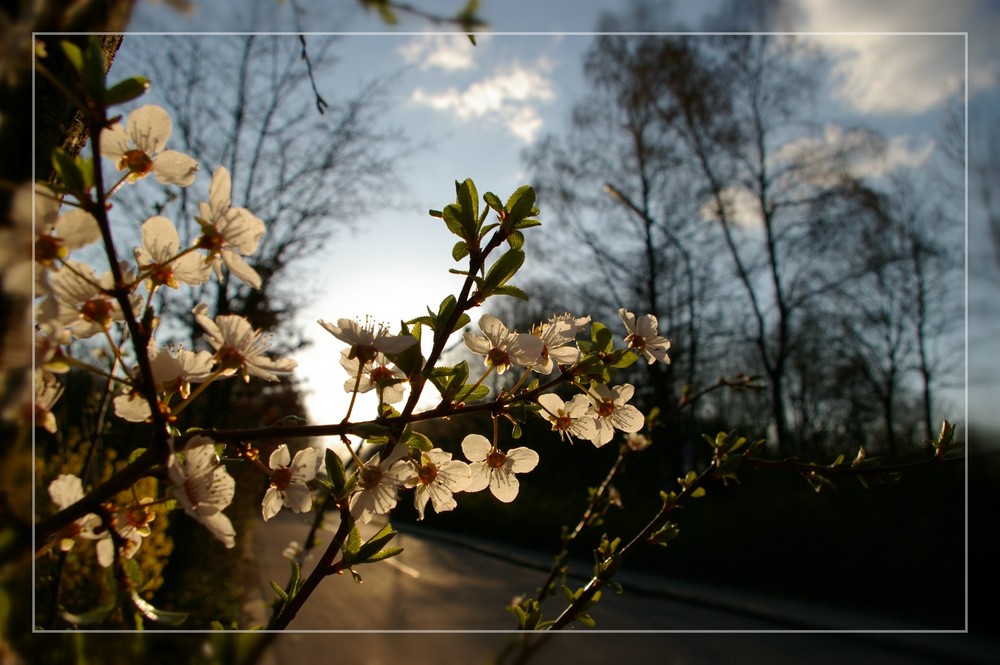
(520, 204)
(387, 15)
(602, 337)
(419, 441)
(409, 360)
(625, 359)
(92, 72)
(135, 454)
(280, 591)
(819, 483)
(335, 470)
(504, 268)
(127, 90)
(493, 201)
(478, 393)
(460, 250)
(452, 216)
(353, 544)
(586, 620)
(468, 198)
(515, 240)
(68, 170)
(387, 553)
(462, 321)
(73, 54)
(510, 290)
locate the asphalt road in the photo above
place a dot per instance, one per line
(458, 589)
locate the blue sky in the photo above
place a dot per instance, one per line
(480, 107)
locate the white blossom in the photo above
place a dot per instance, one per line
(138, 148)
(174, 369)
(613, 413)
(238, 347)
(79, 301)
(558, 336)
(574, 418)
(64, 491)
(203, 487)
(158, 256)
(379, 481)
(289, 481)
(365, 341)
(494, 469)
(378, 374)
(228, 233)
(504, 348)
(436, 478)
(643, 336)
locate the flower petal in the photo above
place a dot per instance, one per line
(241, 268)
(219, 191)
(114, 142)
(298, 498)
(305, 465)
(271, 505)
(175, 168)
(475, 447)
(160, 238)
(280, 457)
(149, 128)
(522, 460)
(479, 478)
(504, 485)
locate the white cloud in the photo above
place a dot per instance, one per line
(823, 161)
(857, 153)
(448, 52)
(900, 73)
(509, 97)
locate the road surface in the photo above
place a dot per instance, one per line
(459, 588)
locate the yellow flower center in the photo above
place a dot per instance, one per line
(281, 478)
(605, 408)
(138, 163)
(162, 274)
(371, 476)
(97, 310)
(48, 249)
(498, 358)
(380, 374)
(427, 473)
(230, 358)
(495, 459)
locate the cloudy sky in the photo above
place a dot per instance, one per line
(479, 107)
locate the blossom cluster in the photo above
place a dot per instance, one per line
(73, 301)
(594, 414)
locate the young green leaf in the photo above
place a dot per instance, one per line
(504, 268)
(127, 90)
(520, 204)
